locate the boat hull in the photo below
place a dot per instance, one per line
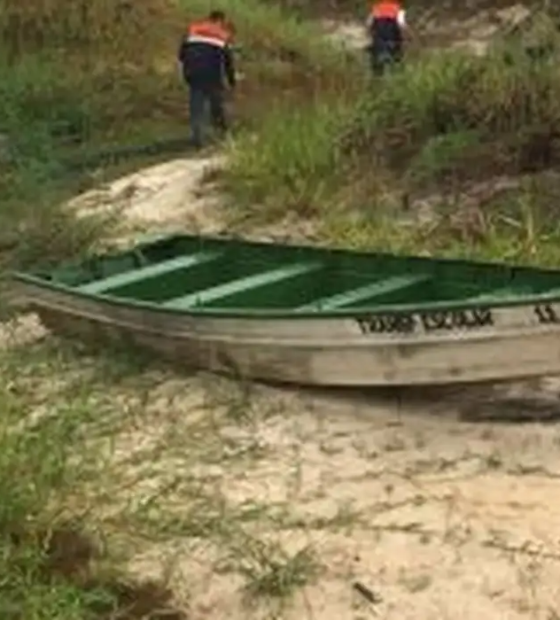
(328, 351)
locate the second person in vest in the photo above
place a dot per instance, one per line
(386, 24)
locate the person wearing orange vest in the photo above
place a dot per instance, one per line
(386, 24)
(206, 58)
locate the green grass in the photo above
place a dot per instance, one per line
(289, 164)
(440, 129)
(52, 564)
(100, 461)
(514, 230)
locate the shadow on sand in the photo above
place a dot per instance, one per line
(506, 402)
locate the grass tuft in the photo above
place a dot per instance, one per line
(270, 573)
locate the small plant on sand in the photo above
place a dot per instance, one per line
(271, 574)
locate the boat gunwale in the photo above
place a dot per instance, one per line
(288, 314)
(29, 279)
(350, 340)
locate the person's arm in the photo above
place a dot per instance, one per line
(181, 51)
(181, 56)
(229, 66)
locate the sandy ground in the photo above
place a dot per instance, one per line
(442, 503)
(175, 195)
(439, 511)
(441, 517)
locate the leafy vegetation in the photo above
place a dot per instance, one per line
(53, 563)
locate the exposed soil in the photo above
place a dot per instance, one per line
(162, 198)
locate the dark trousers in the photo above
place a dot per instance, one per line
(202, 98)
(384, 55)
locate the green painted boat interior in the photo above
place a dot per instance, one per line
(183, 272)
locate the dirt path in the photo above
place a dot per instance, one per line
(162, 198)
(298, 495)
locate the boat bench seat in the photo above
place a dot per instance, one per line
(119, 280)
(241, 285)
(363, 293)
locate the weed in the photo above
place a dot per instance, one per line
(53, 444)
(292, 153)
(270, 573)
(50, 576)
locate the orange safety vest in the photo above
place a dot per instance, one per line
(385, 10)
(208, 32)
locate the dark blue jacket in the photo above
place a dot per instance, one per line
(206, 59)
(386, 30)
